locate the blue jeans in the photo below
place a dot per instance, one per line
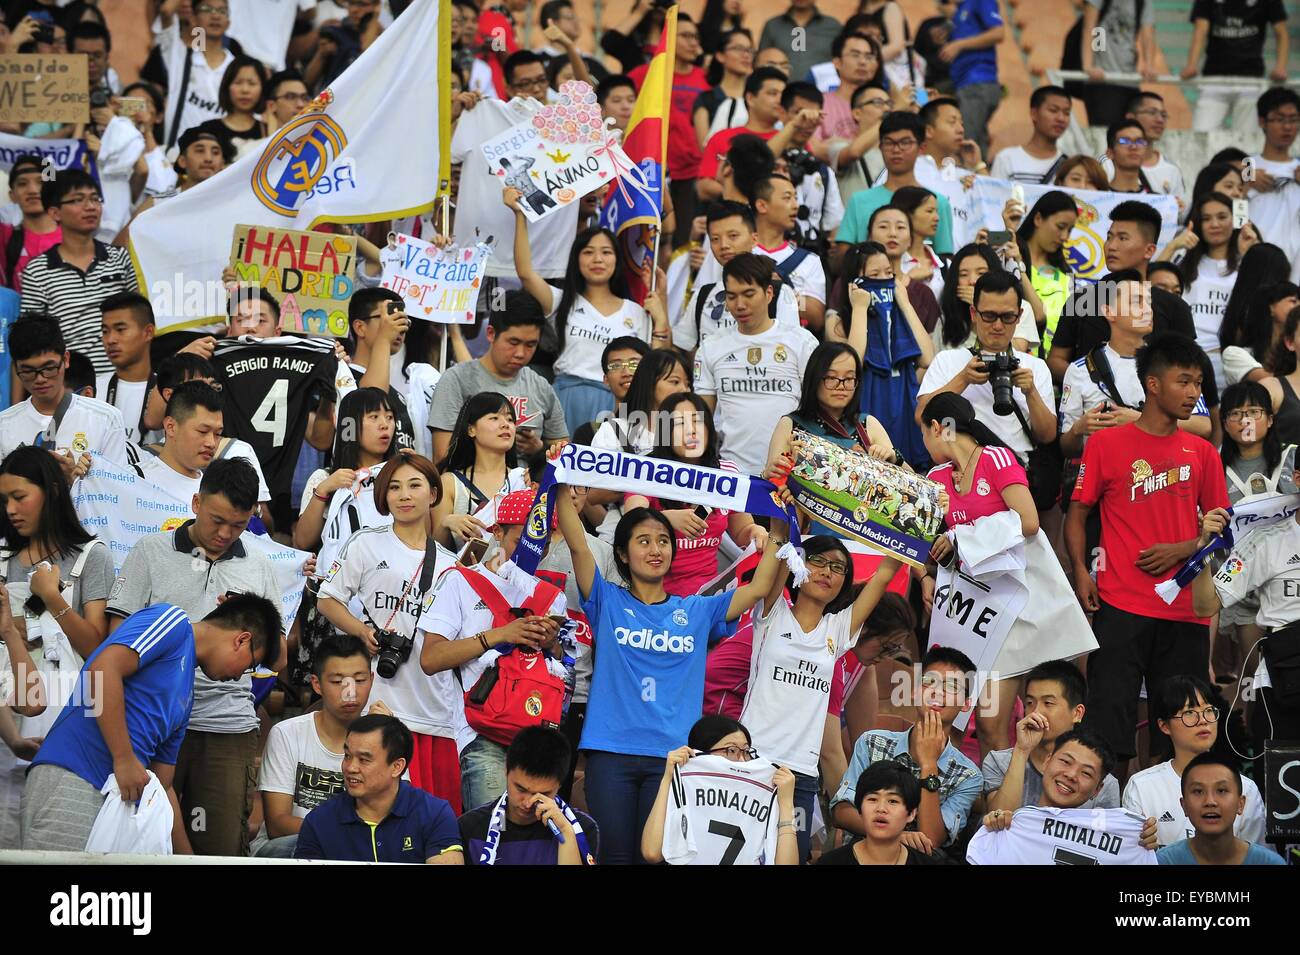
(582, 399)
(620, 791)
(805, 797)
(482, 773)
(281, 847)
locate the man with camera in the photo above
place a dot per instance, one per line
(478, 613)
(1010, 392)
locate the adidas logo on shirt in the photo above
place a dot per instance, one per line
(1167, 817)
(383, 565)
(1295, 559)
(480, 606)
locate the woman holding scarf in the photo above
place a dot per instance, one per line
(829, 408)
(649, 647)
(896, 356)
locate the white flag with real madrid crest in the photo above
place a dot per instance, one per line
(373, 145)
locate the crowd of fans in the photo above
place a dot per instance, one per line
(1118, 419)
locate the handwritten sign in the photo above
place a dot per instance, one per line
(310, 273)
(437, 285)
(560, 155)
(44, 88)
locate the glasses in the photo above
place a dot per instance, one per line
(252, 657)
(952, 685)
(209, 8)
(1130, 141)
(742, 50)
(688, 36)
(833, 383)
(1255, 414)
(1284, 119)
(879, 102)
(48, 370)
(89, 199)
(537, 83)
(994, 318)
(1192, 717)
(897, 143)
(622, 364)
(296, 97)
(737, 754)
(835, 566)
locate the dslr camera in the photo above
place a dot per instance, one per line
(394, 650)
(999, 368)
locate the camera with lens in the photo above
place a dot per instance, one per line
(394, 650)
(98, 98)
(999, 368)
(800, 163)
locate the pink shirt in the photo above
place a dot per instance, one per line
(34, 244)
(837, 119)
(996, 469)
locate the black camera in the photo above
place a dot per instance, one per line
(98, 98)
(800, 163)
(394, 650)
(999, 368)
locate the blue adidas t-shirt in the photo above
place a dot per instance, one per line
(648, 685)
(158, 698)
(972, 18)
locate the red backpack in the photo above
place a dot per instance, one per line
(517, 690)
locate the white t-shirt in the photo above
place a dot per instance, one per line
(458, 613)
(1016, 164)
(1164, 176)
(1208, 299)
(1276, 214)
(201, 93)
(298, 764)
(156, 471)
(1079, 393)
(714, 317)
(808, 278)
(790, 675)
(390, 258)
(908, 262)
(264, 27)
(87, 425)
(1266, 566)
(1043, 836)
(482, 212)
(949, 362)
(128, 398)
(755, 379)
(1157, 791)
(419, 396)
(587, 331)
(372, 573)
(722, 812)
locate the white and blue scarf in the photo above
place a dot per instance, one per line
(497, 824)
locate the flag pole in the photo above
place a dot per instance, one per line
(654, 255)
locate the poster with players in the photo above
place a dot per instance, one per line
(558, 156)
(974, 616)
(886, 507)
(311, 274)
(437, 285)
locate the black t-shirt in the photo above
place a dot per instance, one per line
(844, 856)
(1081, 329)
(1235, 46)
(270, 387)
(520, 845)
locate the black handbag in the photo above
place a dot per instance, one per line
(1281, 650)
(1043, 467)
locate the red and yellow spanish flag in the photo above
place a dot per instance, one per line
(634, 210)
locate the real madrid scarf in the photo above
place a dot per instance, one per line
(1249, 514)
(653, 477)
(497, 824)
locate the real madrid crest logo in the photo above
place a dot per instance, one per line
(297, 156)
(533, 705)
(79, 443)
(830, 645)
(781, 353)
(680, 618)
(537, 519)
(982, 487)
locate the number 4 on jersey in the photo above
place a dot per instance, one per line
(271, 416)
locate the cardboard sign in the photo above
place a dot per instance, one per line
(44, 88)
(558, 156)
(883, 506)
(1282, 791)
(437, 285)
(311, 274)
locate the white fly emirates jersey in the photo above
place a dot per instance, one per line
(1039, 835)
(1156, 792)
(755, 379)
(1080, 394)
(790, 674)
(721, 812)
(706, 314)
(587, 331)
(271, 386)
(146, 463)
(1266, 566)
(377, 577)
(808, 277)
(78, 424)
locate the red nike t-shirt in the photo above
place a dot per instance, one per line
(1152, 491)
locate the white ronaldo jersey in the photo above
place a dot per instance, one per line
(721, 812)
(1042, 836)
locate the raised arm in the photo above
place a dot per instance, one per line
(575, 535)
(534, 284)
(652, 836)
(765, 574)
(872, 592)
